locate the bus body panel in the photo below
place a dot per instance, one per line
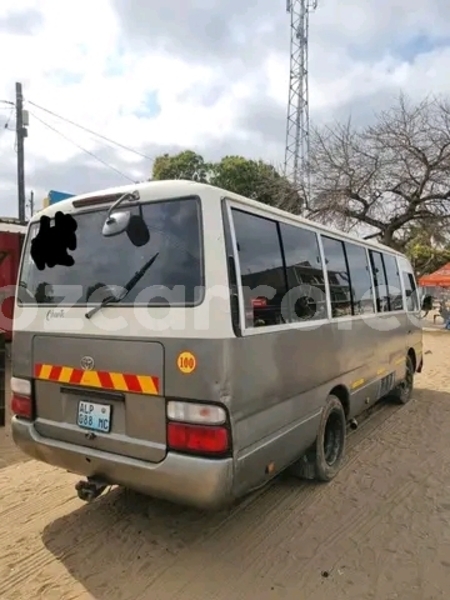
(274, 409)
(188, 480)
(273, 381)
(138, 420)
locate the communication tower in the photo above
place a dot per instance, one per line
(297, 128)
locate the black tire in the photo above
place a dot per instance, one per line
(402, 394)
(323, 461)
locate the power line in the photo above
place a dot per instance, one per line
(82, 149)
(10, 106)
(87, 130)
(8, 120)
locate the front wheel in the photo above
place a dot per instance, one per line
(402, 394)
(323, 461)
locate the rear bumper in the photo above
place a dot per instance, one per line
(197, 482)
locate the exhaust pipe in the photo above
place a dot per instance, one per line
(353, 424)
(90, 489)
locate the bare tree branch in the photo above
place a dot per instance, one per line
(387, 175)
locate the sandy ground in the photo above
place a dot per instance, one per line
(9, 454)
(380, 531)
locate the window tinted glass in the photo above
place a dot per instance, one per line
(394, 284)
(360, 278)
(102, 265)
(338, 277)
(262, 267)
(412, 300)
(381, 289)
(304, 272)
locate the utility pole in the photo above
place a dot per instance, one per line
(21, 133)
(31, 204)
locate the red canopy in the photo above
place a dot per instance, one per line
(440, 278)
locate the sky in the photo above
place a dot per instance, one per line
(207, 75)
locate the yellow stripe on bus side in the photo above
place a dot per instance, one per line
(91, 379)
(45, 372)
(119, 382)
(358, 383)
(147, 384)
(65, 375)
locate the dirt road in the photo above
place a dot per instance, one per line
(380, 531)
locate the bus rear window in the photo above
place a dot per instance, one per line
(104, 265)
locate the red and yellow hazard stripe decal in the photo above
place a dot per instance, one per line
(107, 380)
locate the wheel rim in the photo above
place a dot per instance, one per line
(333, 439)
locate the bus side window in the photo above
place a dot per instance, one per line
(306, 280)
(412, 300)
(362, 286)
(261, 266)
(381, 284)
(393, 281)
(338, 277)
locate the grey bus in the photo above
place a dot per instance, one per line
(202, 342)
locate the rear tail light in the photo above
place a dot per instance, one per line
(200, 439)
(21, 400)
(21, 406)
(198, 428)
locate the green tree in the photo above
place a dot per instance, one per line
(237, 174)
(254, 179)
(184, 165)
(384, 178)
(427, 250)
(426, 259)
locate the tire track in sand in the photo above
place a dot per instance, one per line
(167, 552)
(242, 552)
(272, 505)
(113, 518)
(27, 512)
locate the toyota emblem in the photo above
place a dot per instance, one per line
(87, 363)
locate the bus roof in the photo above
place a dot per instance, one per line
(157, 190)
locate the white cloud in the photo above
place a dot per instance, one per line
(81, 62)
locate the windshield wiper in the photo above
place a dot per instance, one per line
(127, 288)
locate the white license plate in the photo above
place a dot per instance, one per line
(96, 417)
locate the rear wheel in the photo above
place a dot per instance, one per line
(404, 390)
(323, 461)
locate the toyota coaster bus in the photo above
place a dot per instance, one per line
(198, 343)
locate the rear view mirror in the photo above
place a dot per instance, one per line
(427, 303)
(119, 221)
(116, 223)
